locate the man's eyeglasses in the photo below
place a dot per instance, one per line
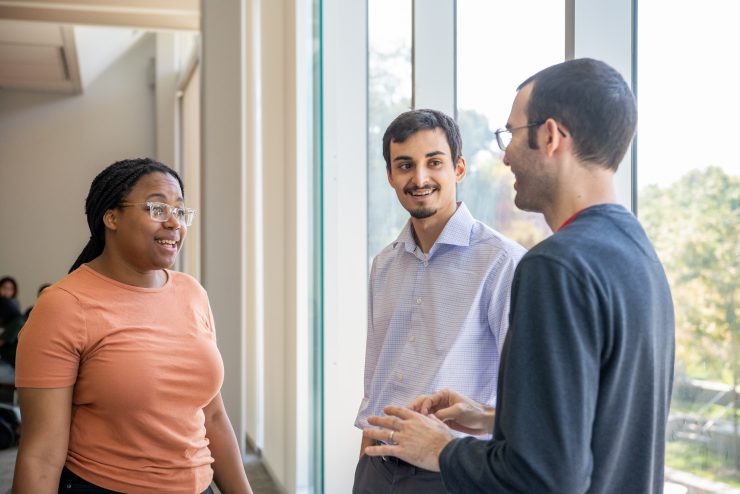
(161, 212)
(503, 136)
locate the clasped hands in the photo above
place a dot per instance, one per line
(418, 434)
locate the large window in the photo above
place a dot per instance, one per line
(389, 93)
(689, 203)
(499, 44)
(688, 193)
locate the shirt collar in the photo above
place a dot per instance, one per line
(456, 231)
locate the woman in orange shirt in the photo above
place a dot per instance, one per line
(118, 372)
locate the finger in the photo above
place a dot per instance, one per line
(400, 412)
(449, 413)
(434, 401)
(381, 450)
(377, 434)
(426, 406)
(418, 402)
(387, 422)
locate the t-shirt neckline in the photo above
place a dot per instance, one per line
(126, 286)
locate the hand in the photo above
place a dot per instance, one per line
(415, 438)
(457, 411)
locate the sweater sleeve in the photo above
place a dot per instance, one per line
(548, 386)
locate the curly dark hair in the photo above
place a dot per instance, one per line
(107, 192)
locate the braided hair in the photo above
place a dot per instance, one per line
(107, 192)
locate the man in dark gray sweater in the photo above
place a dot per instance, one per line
(587, 366)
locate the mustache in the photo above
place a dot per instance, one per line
(413, 188)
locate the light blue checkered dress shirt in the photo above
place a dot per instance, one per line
(438, 320)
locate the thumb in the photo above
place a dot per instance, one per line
(449, 413)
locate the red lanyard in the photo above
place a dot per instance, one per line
(570, 220)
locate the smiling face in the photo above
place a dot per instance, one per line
(534, 185)
(139, 241)
(423, 175)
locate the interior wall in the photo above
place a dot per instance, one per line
(51, 147)
(191, 169)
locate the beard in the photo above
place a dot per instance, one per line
(421, 213)
(533, 196)
(534, 189)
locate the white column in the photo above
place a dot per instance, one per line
(224, 199)
(255, 343)
(434, 54)
(276, 139)
(344, 48)
(603, 29)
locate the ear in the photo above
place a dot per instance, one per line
(110, 219)
(460, 170)
(555, 138)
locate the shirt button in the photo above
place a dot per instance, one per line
(399, 376)
(426, 263)
(418, 301)
(412, 338)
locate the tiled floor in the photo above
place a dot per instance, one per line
(258, 476)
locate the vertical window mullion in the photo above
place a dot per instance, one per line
(603, 29)
(434, 49)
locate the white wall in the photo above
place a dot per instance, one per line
(345, 235)
(51, 147)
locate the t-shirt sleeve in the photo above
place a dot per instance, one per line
(52, 342)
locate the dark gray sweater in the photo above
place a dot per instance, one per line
(586, 371)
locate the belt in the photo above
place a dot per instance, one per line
(393, 460)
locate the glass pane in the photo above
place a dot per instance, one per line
(499, 44)
(389, 93)
(689, 203)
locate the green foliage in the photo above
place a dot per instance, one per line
(690, 458)
(695, 226)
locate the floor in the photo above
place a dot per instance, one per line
(256, 473)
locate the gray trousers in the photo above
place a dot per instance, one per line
(376, 475)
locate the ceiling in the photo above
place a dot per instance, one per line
(38, 49)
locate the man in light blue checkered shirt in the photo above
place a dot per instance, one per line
(438, 299)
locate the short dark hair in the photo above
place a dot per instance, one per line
(593, 102)
(411, 122)
(107, 192)
(11, 280)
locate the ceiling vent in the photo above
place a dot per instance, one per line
(38, 56)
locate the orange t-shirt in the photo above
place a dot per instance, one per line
(143, 363)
